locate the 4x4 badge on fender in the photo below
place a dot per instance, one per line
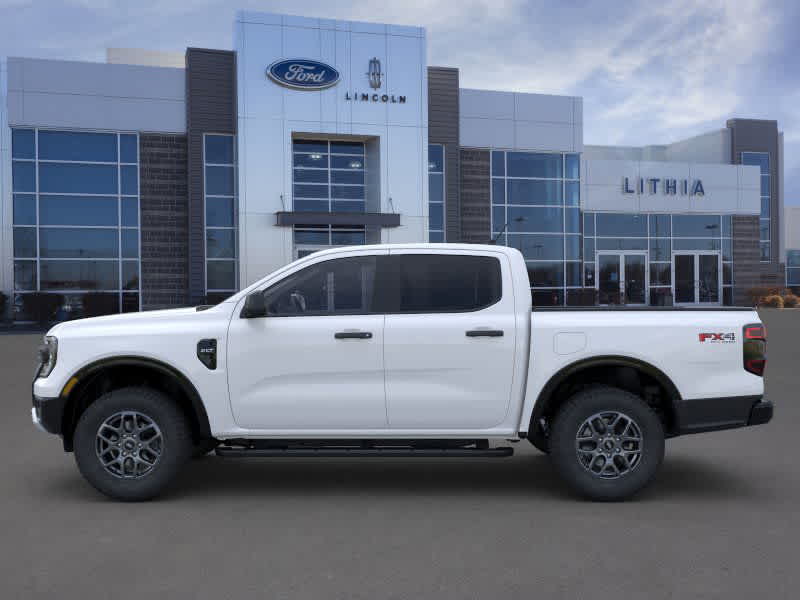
(718, 338)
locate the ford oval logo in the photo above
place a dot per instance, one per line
(303, 74)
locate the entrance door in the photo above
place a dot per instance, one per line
(622, 278)
(696, 278)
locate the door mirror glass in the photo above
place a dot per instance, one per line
(255, 306)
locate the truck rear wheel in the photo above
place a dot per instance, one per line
(130, 443)
(606, 443)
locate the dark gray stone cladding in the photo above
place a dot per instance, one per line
(443, 128)
(163, 201)
(748, 271)
(475, 196)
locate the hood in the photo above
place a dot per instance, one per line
(121, 319)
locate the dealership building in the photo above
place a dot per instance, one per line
(156, 180)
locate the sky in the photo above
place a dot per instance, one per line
(649, 72)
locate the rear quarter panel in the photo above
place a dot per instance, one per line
(667, 340)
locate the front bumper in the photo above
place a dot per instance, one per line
(47, 413)
(714, 414)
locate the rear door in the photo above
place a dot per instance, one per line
(449, 339)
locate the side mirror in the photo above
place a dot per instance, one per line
(255, 306)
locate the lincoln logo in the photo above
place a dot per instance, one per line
(374, 74)
(301, 74)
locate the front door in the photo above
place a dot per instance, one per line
(315, 363)
(622, 278)
(696, 278)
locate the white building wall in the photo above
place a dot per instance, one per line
(145, 58)
(269, 115)
(712, 147)
(791, 228)
(519, 121)
(82, 95)
(729, 189)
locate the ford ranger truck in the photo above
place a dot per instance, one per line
(412, 350)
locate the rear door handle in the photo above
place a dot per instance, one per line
(485, 333)
(352, 335)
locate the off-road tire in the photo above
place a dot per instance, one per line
(563, 443)
(175, 448)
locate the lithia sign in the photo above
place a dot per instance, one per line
(667, 186)
(306, 74)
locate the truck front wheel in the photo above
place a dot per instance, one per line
(130, 443)
(606, 443)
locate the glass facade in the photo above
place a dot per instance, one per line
(76, 222)
(219, 163)
(761, 160)
(660, 237)
(327, 176)
(436, 193)
(536, 209)
(793, 268)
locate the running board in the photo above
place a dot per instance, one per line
(341, 452)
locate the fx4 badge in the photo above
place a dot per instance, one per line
(717, 338)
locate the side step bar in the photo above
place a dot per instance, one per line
(340, 452)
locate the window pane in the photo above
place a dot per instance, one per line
(572, 247)
(130, 275)
(77, 210)
(521, 191)
(727, 273)
(354, 177)
(221, 274)
(765, 185)
(340, 286)
(624, 225)
(498, 163)
(445, 283)
(572, 189)
(75, 145)
(219, 181)
(130, 212)
(220, 243)
(24, 209)
(311, 175)
(573, 274)
(660, 249)
(660, 274)
(311, 205)
(435, 158)
(588, 249)
(23, 143)
(219, 149)
(588, 272)
(436, 216)
(130, 243)
(765, 251)
(538, 247)
(347, 192)
(219, 212)
(572, 220)
(348, 206)
(25, 275)
(348, 238)
(765, 207)
(128, 149)
(310, 146)
(529, 164)
(573, 166)
(727, 225)
(547, 297)
(793, 277)
(793, 258)
(436, 187)
(319, 237)
(435, 237)
(759, 159)
(660, 226)
(727, 249)
(546, 274)
(77, 179)
(763, 229)
(23, 176)
(344, 162)
(129, 180)
(696, 225)
(347, 148)
(130, 302)
(78, 243)
(539, 220)
(315, 161)
(498, 218)
(25, 242)
(498, 191)
(695, 244)
(79, 275)
(621, 243)
(588, 224)
(310, 191)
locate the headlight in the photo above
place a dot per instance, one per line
(48, 353)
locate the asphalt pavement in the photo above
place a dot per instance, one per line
(722, 519)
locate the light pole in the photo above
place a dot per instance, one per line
(503, 230)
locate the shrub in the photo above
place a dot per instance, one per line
(41, 307)
(790, 301)
(772, 301)
(758, 295)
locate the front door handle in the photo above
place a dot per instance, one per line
(485, 333)
(353, 335)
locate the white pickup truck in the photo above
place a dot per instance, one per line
(410, 350)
